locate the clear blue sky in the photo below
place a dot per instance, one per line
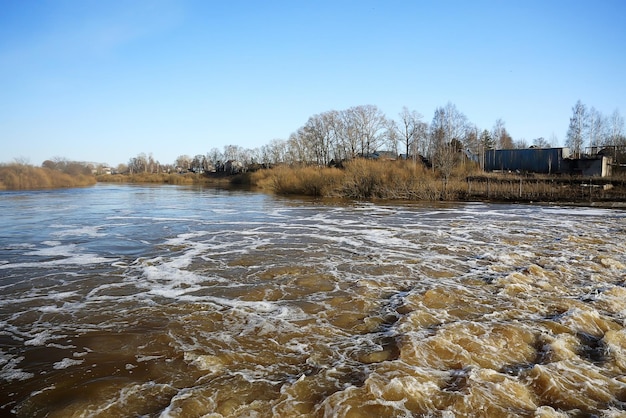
(103, 81)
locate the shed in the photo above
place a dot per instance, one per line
(535, 160)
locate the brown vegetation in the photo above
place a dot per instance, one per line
(407, 180)
(18, 176)
(359, 179)
(165, 178)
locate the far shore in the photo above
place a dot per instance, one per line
(360, 180)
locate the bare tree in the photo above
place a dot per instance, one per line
(577, 127)
(595, 128)
(447, 131)
(197, 163)
(183, 162)
(215, 157)
(278, 150)
(368, 124)
(501, 136)
(520, 143)
(138, 164)
(318, 135)
(391, 136)
(554, 140)
(541, 142)
(409, 129)
(471, 142)
(233, 152)
(615, 129)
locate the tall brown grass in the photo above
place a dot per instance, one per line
(171, 178)
(308, 181)
(147, 178)
(19, 176)
(359, 179)
(407, 180)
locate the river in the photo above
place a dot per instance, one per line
(172, 301)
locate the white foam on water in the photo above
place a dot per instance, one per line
(41, 338)
(65, 363)
(10, 370)
(88, 231)
(142, 358)
(63, 254)
(74, 260)
(369, 251)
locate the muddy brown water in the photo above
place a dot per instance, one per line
(127, 301)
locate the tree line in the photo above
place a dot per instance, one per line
(589, 127)
(338, 135)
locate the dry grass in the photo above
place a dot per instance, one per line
(308, 181)
(174, 178)
(406, 180)
(360, 179)
(148, 178)
(26, 177)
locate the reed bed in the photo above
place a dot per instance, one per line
(161, 178)
(27, 177)
(406, 180)
(359, 179)
(175, 178)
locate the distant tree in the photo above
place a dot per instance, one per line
(596, 130)
(448, 128)
(254, 155)
(49, 164)
(409, 130)
(554, 140)
(500, 135)
(214, 157)
(615, 129)
(368, 124)
(391, 137)
(577, 127)
(183, 162)
(541, 142)
(198, 162)
(471, 142)
(233, 152)
(486, 140)
(520, 144)
(138, 164)
(277, 151)
(152, 165)
(318, 137)
(246, 156)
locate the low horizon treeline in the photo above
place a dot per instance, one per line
(339, 135)
(23, 176)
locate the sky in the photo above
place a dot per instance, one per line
(103, 81)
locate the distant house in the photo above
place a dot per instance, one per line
(381, 155)
(233, 167)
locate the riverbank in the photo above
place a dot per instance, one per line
(402, 180)
(26, 177)
(160, 178)
(361, 179)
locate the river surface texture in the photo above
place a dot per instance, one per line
(137, 301)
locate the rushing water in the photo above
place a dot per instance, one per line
(179, 302)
